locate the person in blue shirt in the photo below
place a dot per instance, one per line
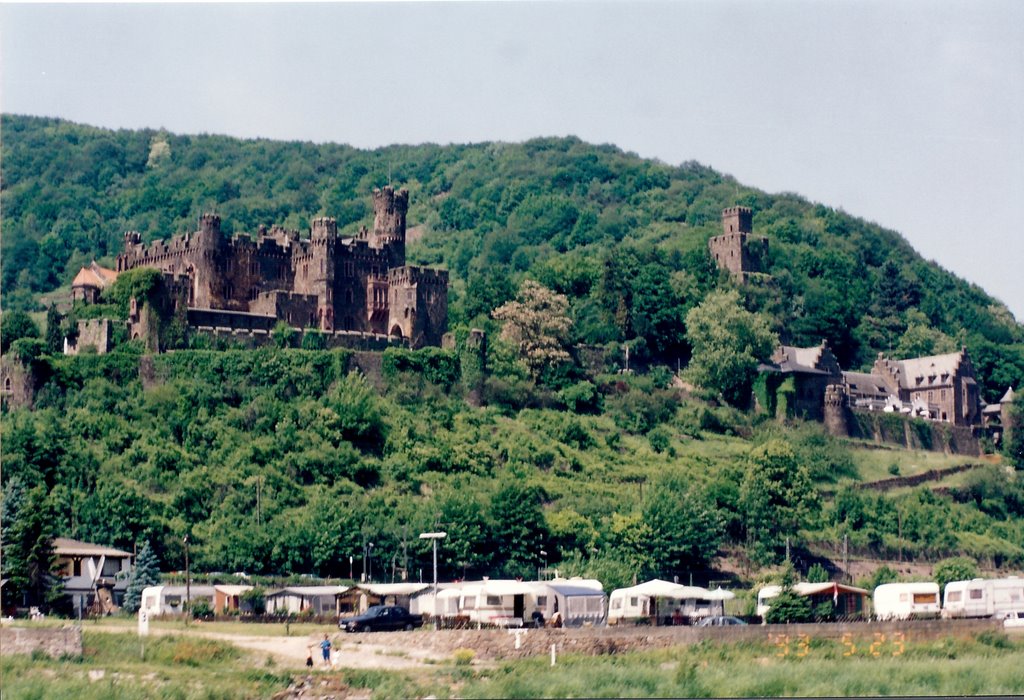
(325, 647)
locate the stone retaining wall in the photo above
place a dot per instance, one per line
(500, 644)
(52, 641)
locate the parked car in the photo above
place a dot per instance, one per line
(381, 618)
(1014, 618)
(720, 621)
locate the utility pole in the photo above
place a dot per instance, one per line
(846, 556)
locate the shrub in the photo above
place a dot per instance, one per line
(463, 656)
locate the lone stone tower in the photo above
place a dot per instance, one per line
(389, 209)
(836, 403)
(738, 250)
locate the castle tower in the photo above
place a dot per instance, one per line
(836, 402)
(737, 220)
(324, 228)
(209, 227)
(737, 250)
(389, 209)
(323, 234)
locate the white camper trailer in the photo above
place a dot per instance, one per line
(902, 601)
(691, 602)
(171, 600)
(983, 597)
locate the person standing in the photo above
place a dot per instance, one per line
(325, 648)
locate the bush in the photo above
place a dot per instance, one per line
(463, 657)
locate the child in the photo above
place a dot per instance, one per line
(325, 647)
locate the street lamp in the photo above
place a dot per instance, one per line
(435, 536)
(545, 555)
(188, 581)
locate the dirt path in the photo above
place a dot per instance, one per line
(348, 651)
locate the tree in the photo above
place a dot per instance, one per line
(685, 529)
(538, 324)
(518, 530)
(15, 325)
(817, 574)
(29, 561)
(145, 573)
(776, 496)
(954, 569)
(789, 606)
(54, 332)
(728, 342)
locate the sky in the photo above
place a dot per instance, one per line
(906, 113)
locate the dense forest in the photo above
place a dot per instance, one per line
(285, 460)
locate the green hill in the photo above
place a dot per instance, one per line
(623, 237)
(286, 461)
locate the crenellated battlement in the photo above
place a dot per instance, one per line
(317, 281)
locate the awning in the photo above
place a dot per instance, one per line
(385, 589)
(576, 591)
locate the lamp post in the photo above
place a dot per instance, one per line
(435, 536)
(545, 555)
(188, 581)
(369, 561)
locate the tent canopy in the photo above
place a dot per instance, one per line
(656, 588)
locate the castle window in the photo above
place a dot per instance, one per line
(7, 383)
(305, 271)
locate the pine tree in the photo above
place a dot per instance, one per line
(145, 573)
(54, 332)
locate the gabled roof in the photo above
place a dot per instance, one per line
(94, 276)
(924, 372)
(67, 547)
(864, 384)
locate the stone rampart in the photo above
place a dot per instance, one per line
(52, 641)
(595, 641)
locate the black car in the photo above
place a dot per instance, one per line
(381, 618)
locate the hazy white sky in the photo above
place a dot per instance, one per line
(910, 114)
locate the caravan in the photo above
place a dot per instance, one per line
(903, 601)
(983, 597)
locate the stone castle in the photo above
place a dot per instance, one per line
(338, 285)
(737, 250)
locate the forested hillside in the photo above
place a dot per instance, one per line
(287, 461)
(624, 238)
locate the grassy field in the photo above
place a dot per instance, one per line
(875, 464)
(187, 667)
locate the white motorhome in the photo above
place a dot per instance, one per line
(902, 601)
(983, 597)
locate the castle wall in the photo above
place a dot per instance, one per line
(17, 383)
(331, 283)
(95, 333)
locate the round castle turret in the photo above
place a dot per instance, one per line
(389, 209)
(836, 401)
